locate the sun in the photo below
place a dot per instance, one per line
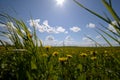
(60, 2)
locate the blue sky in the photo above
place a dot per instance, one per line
(57, 24)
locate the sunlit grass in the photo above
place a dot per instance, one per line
(27, 59)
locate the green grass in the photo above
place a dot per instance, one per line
(26, 60)
(98, 64)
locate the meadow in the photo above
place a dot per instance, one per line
(25, 57)
(61, 63)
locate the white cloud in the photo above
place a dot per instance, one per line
(66, 32)
(68, 38)
(91, 25)
(45, 27)
(69, 41)
(34, 23)
(87, 42)
(75, 29)
(60, 29)
(45, 23)
(86, 39)
(98, 37)
(2, 25)
(50, 30)
(50, 38)
(110, 27)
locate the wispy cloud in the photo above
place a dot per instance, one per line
(75, 29)
(45, 23)
(86, 39)
(66, 32)
(45, 27)
(60, 29)
(34, 23)
(50, 38)
(98, 37)
(110, 27)
(91, 25)
(87, 42)
(68, 41)
(69, 38)
(2, 25)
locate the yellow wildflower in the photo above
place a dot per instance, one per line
(69, 56)
(93, 53)
(55, 53)
(47, 47)
(29, 35)
(63, 59)
(93, 58)
(83, 54)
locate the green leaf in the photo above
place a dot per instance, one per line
(33, 64)
(29, 76)
(80, 67)
(82, 77)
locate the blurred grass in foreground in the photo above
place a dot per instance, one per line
(115, 22)
(26, 60)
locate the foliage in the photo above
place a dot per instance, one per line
(22, 52)
(26, 59)
(72, 63)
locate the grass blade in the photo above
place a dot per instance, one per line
(111, 10)
(96, 14)
(105, 39)
(110, 36)
(94, 41)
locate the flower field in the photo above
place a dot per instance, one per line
(24, 57)
(61, 63)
